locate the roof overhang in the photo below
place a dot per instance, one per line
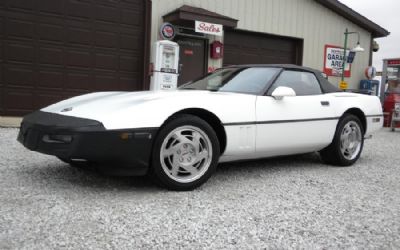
(188, 14)
(355, 17)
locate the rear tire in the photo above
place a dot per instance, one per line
(347, 143)
(185, 153)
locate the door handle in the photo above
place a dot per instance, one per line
(324, 103)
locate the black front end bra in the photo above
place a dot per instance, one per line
(116, 152)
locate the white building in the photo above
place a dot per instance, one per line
(52, 50)
(272, 31)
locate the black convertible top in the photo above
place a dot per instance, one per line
(326, 86)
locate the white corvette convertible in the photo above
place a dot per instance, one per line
(235, 113)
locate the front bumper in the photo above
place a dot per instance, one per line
(116, 152)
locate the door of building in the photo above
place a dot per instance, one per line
(192, 58)
(52, 50)
(242, 47)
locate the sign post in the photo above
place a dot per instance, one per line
(344, 54)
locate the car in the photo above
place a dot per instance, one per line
(178, 137)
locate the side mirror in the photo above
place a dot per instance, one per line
(281, 92)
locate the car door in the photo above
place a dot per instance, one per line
(294, 124)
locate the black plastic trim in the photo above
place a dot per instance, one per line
(324, 103)
(280, 121)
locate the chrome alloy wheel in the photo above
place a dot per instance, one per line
(350, 140)
(186, 154)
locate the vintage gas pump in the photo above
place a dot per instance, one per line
(391, 104)
(165, 62)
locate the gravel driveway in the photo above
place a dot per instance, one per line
(292, 202)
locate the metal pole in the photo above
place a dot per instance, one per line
(344, 52)
(383, 81)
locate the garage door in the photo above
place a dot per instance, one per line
(54, 49)
(255, 48)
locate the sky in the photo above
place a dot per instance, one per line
(385, 13)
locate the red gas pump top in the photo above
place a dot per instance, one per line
(390, 100)
(388, 107)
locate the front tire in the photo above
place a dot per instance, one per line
(347, 143)
(185, 153)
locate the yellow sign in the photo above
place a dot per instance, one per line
(343, 85)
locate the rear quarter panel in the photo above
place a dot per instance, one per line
(369, 105)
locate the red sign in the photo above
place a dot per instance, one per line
(370, 72)
(394, 62)
(216, 50)
(167, 31)
(333, 62)
(211, 69)
(188, 52)
(209, 28)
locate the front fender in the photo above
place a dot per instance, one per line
(228, 107)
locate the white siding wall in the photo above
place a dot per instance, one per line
(304, 19)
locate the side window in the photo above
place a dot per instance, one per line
(303, 83)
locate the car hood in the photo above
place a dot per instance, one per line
(103, 102)
(114, 109)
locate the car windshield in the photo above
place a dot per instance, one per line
(241, 80)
